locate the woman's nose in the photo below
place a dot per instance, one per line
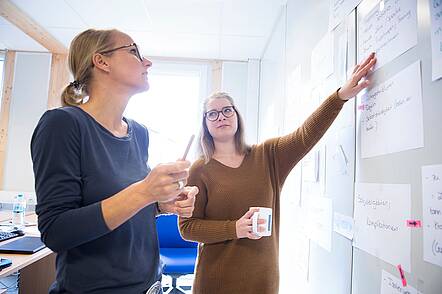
(146, 62)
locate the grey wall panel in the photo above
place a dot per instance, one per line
(307, 23)
(405, 168)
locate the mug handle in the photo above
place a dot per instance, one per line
(255, 222)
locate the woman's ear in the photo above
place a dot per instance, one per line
(100, 62)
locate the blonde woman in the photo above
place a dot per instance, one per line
(96, 196)
(232, 177)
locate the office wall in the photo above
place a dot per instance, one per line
(304, 265)
(28, 102)
(241, 81)
(405, 168)
(272, 83)
(346, 269)
(328, 270)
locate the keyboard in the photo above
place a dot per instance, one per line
(9, 235)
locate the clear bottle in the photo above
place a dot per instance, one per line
(18, 211)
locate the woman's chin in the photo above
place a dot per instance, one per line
(142, 88)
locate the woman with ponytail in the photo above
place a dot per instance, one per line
(96, 196)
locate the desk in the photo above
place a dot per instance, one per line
(37, 271)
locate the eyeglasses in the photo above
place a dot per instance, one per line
(135, 51)
(227, 111)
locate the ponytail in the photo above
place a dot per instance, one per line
(81, 51)
(73, 94)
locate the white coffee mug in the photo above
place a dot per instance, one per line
(264, 213)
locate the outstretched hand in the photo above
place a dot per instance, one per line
(183, 205)
(358, 80)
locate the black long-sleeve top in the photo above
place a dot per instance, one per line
(77, 164)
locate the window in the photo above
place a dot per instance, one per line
(171, 109)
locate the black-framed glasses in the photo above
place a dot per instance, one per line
(227, 111)
(135, 51)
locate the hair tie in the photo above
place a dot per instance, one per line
(75, 84)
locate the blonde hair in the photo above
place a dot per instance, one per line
(207, 146)
(81, 51)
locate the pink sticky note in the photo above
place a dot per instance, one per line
(412, 223)
(401, 272)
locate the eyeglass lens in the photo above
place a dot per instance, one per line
(227, 111)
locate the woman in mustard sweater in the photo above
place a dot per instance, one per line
(232, 177)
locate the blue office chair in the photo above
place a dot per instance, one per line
(177, 255)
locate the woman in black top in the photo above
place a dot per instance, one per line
(96, 196)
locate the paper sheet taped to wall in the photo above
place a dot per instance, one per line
(389, 29)
(319, 220)
(392, 285)
(436, 38)
(432, 213)
(380, 215)
(322, 59)
(391, 117)
(343, 225)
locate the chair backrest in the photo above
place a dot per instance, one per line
(169, 235)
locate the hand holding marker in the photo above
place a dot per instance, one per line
(188, 147)
(181, 183)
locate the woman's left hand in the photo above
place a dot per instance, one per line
(183, 205)
(354, 85)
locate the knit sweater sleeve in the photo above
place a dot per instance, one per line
(198, 228)
(290, 149)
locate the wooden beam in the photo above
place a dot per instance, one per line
(4, 113)
(59, 79)
(25, 23)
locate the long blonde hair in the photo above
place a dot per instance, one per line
(81, 51)
(207, 146)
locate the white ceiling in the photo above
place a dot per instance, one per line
(205, 29)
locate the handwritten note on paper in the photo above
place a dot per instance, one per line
(339, 9)
(322, 59)
(389, 29)
(436, 38)
(319, 220)
(392, 285)
(391, 118)
(432, 213)
(380, 228)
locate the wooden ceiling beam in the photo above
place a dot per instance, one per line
(4, 112)
(59, 79)
(17, 17)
